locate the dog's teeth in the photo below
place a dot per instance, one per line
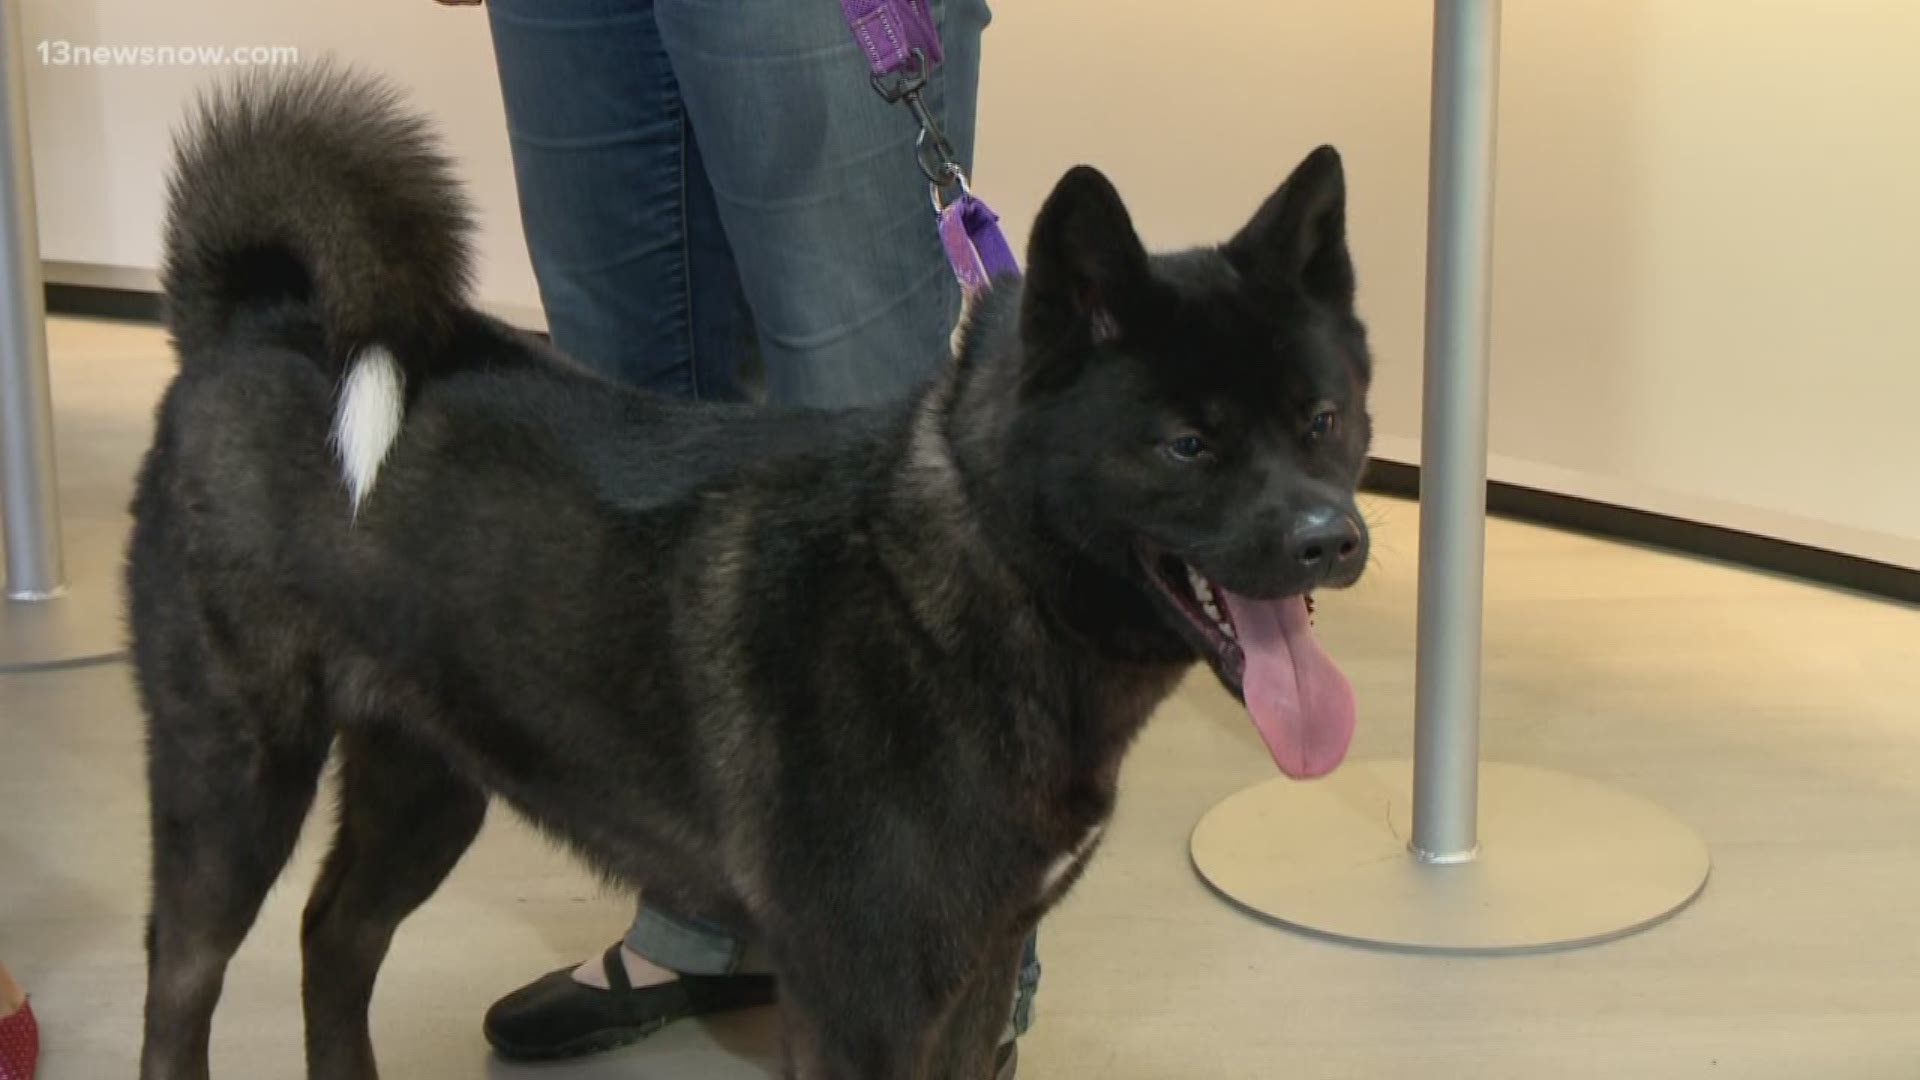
(1212, 611)
(1227, 629)
(1201, 589)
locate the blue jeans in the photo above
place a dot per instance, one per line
(718, 206)
(710, 186)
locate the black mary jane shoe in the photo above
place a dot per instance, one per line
(557, 1016)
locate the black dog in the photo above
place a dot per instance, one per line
(857, 684)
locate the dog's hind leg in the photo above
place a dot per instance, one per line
(228, 798)
(405, 819)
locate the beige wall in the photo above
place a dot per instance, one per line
(101, 134)
(1707, 212)
(1708, 238)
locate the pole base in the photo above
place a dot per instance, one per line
(80, 625)
(1563, 861)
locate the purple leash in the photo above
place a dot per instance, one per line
(902, 45)
(978, 251)
(891, 31)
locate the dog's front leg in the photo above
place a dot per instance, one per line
(857, 1010)
(969, 1037)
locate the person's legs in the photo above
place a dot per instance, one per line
(816, 181)
(11, 996)
(661, 945)
(685, 944)
(1026, 985)
(19, 1032)
(825, 216)
(635, 274)
(667, 967)
(637, 282)
(826, 208)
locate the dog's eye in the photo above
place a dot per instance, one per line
(1188, 448)
(1324, 423)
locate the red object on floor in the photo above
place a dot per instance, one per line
(19, 1044)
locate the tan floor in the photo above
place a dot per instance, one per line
(1781, 719)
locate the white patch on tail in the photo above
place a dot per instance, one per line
(372, 400)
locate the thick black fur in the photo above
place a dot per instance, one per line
(852, 682)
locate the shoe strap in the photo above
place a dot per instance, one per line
(615, 966)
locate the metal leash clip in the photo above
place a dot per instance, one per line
(930, 148)
(935, 190)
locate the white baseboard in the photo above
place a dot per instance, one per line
(1887, 548)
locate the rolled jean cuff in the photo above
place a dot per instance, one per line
(1024, 990)
(688, 946)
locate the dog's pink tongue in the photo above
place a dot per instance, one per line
(1301, 703)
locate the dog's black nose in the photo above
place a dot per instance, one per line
(1324, 540)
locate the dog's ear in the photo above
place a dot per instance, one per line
(1298, 238)
(1086, 267)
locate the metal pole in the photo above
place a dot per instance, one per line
(1568, 862)
(1453, 456)
(30, 513)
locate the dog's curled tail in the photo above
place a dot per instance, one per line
(314, 195)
